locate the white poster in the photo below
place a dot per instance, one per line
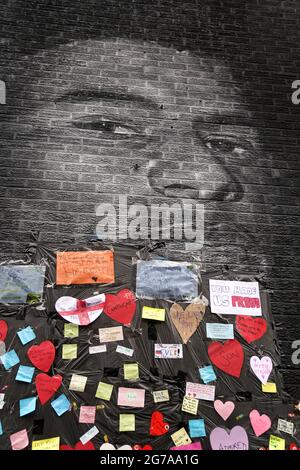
(235, 297)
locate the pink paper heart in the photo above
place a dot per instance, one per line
(262, 368)
(259, 423)
(224, 409)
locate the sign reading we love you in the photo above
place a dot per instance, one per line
(235, 297)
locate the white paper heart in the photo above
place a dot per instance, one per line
(108, 446)
(262, 368)
(80, 312)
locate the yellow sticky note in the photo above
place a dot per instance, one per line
(131, 371)
(151, 313)
(46, 444)
(104, 391)
(126, 422)
(269, 387)
(71, 330)
(181, 438)
(190, 405)
(69, 351)
(276, 443)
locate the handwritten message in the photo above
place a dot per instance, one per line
(133, 397)
(235, 297)
(168, 351)
(108, 335)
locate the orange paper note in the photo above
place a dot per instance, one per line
(84, 267)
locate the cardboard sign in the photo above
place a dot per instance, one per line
(187, 321)
(235, 297)
(168, 351)
(84, 267)
(133, 397)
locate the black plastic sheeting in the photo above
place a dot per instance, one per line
(155, 374)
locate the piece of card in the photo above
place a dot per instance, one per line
(26, 335)
(126, 351)
(27, 405)
(87, 414)
(131, 371)
(89, 435)
(190, 405)
(269, 387)
(25, 374)
(126, 422)
(78, 383)
(69, 351)
(159, 396)
(235, 297)
(107, 335)
(10, 359)
(193, 446)
(219, 331)
(61, 405)
(97, 349)
(207, 374)
(134, 397)
(19, 440)
(151, 313)
(71, 330)
(200, 391)
(104, 391)
(181, 438)
(276, 443)
(46, 444)
(168, 351)
(285, 426)
(197, 428)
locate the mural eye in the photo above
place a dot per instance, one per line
(96, 123)
(223, 144)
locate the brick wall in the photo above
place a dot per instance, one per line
(109, 98)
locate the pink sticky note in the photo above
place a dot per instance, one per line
(193, 446)
(19, 440)
(134, 397)
(87, 414)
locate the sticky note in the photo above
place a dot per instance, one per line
(131, 371)
(197, 428)
(1, 428)
(25, 374)
(19, 440)
(104, 391)
(78, 383)
(27, 405)
(87, 414)
(207, 374)
(69, 351)
(269, 387)
(89, 435)
(46, 444)
(122, 350)
(219, 331)
(190, 405)
(151, 313)
(61, 404)
(181, 438)
(10, 359)
(71, 330)
(26, 335)
(126, 422)
(160, 396)
(276, 443)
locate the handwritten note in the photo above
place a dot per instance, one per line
(200, 391)
(104, 391)
(126, 351)
(168, 351)
(276, 443)
(181, 438)
(21, 284)
(235, 297)
(87, 414)
(133, 397)
(46, 444)
(190, 405)
(85, 267)
(131, 371)
(97, 349)
(285, 426)
(107, 335)
(126, 422)
(219, 331)
(19, 440)
(78, 383)
(160, 396)
(151, 313)
(89, 435)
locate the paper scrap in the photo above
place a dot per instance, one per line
(10, 359)
(25, 374)
(285, 426)
(2, 402)
(131, 371)
(61, 404)
(160, 396)
(122, 350)
(193, 446)
(71, 330)
(26, 335)
(276, 443)
(207, 374)
(19, 440)
(107, 335)
(197, 428)
(97, 349)
(181, 438)
(46, 444)
(134, 397)
(104, 391)
(151, 313)
(190, 405)
(200, 391)
(89, 435)
(87, 414)
(78, 383)
(1, 428)
(269, 387)
(219, 331)
(126, 422)
(235, 297)
(69, 351)
(27, 405)
(168, 351)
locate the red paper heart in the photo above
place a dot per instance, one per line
(3, 330)
(250, 328)
(158, 426)
(42, 355)
(120, 307)
(140, 447)
(228, 357)
(79, 446)
(293, 446)
(46, 386)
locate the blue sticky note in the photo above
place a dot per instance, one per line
(197, 428)
(10, 359)
(25, 374)
(61, 404)
(1, 428)
(27, 405)
(26, 335)
(207, 374)
(219, 331)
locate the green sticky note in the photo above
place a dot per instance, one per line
(131, 371)
(69, 351)
(104, 391)
(276, 443)
(71, 330)
(126, 422)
